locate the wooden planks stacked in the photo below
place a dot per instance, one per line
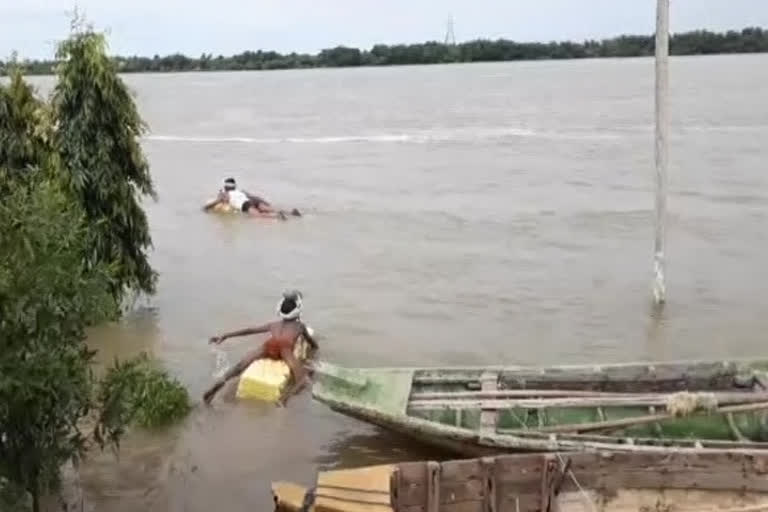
(350, 490)
(530, 483)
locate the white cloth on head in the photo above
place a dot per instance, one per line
(293, 314)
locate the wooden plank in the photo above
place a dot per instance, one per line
(462, 506)
(511, 393)
(443, 376)
(461, 481)
(488, 473)
(287, 495)
(324, 504)
(458, 491)
(394, 484)
(704, 376)
(617, 400)
(488, 416)
(354, 490)
(521, 472)
(640, 420)
(547, 475)
(520, 502)
(411, 508)
(433, 487)
(611, 471)
(369, 479)
(641, 441)
(412, 484)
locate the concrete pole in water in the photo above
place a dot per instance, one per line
(662, 155)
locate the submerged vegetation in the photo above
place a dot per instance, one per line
(700, 42)
(73, 242)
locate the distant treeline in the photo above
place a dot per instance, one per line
(700, 42)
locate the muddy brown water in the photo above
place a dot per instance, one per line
(464, 214)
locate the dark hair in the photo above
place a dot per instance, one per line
(287, 306)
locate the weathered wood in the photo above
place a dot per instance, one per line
(513, 393)
(639, 420)
(547, 470)
(433, 487)
(467, 442)
(489, 416)
(394, 485)
(532, 482)
(669, 376)
(722, 471)
(650, 441)
(662, 154)
(461, 481)
(462, 506)
(708, 376)
(412, 484)
(386, 405)
(488, 474)
(628, 400)
(751, 508)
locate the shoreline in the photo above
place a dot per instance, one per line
(748, 40)
(4, 74)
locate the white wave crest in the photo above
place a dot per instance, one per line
(414, 137)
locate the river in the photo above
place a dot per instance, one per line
(462, 214)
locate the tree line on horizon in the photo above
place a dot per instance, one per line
(699, 42)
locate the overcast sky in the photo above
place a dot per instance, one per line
(147, 27)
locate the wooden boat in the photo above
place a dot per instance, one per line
(631, 407)
(565, 482)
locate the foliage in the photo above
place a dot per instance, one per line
(97, 136)
(137, 391)
(749, 40)
(47, 297)
(13, 499)
(50, 402)
(25, 132)
(52, 287)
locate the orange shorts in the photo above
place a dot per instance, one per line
(273, 348)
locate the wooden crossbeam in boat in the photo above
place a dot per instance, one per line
(489, 416)
(640, 420)
(639, 441)
(515, 393)
(720, 396)
(475, 401)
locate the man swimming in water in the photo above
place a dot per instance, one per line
(247, 203)
(283, 336)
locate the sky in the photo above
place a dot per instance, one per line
(148, 27)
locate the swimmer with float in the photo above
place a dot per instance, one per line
(284, 334)
(249, 204)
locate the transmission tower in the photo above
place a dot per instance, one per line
(450, 36)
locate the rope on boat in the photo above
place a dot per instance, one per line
(686, 403)
(584, 493)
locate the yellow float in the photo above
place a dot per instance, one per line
(266, 379)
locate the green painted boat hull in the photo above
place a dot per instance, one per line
(386, 397)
